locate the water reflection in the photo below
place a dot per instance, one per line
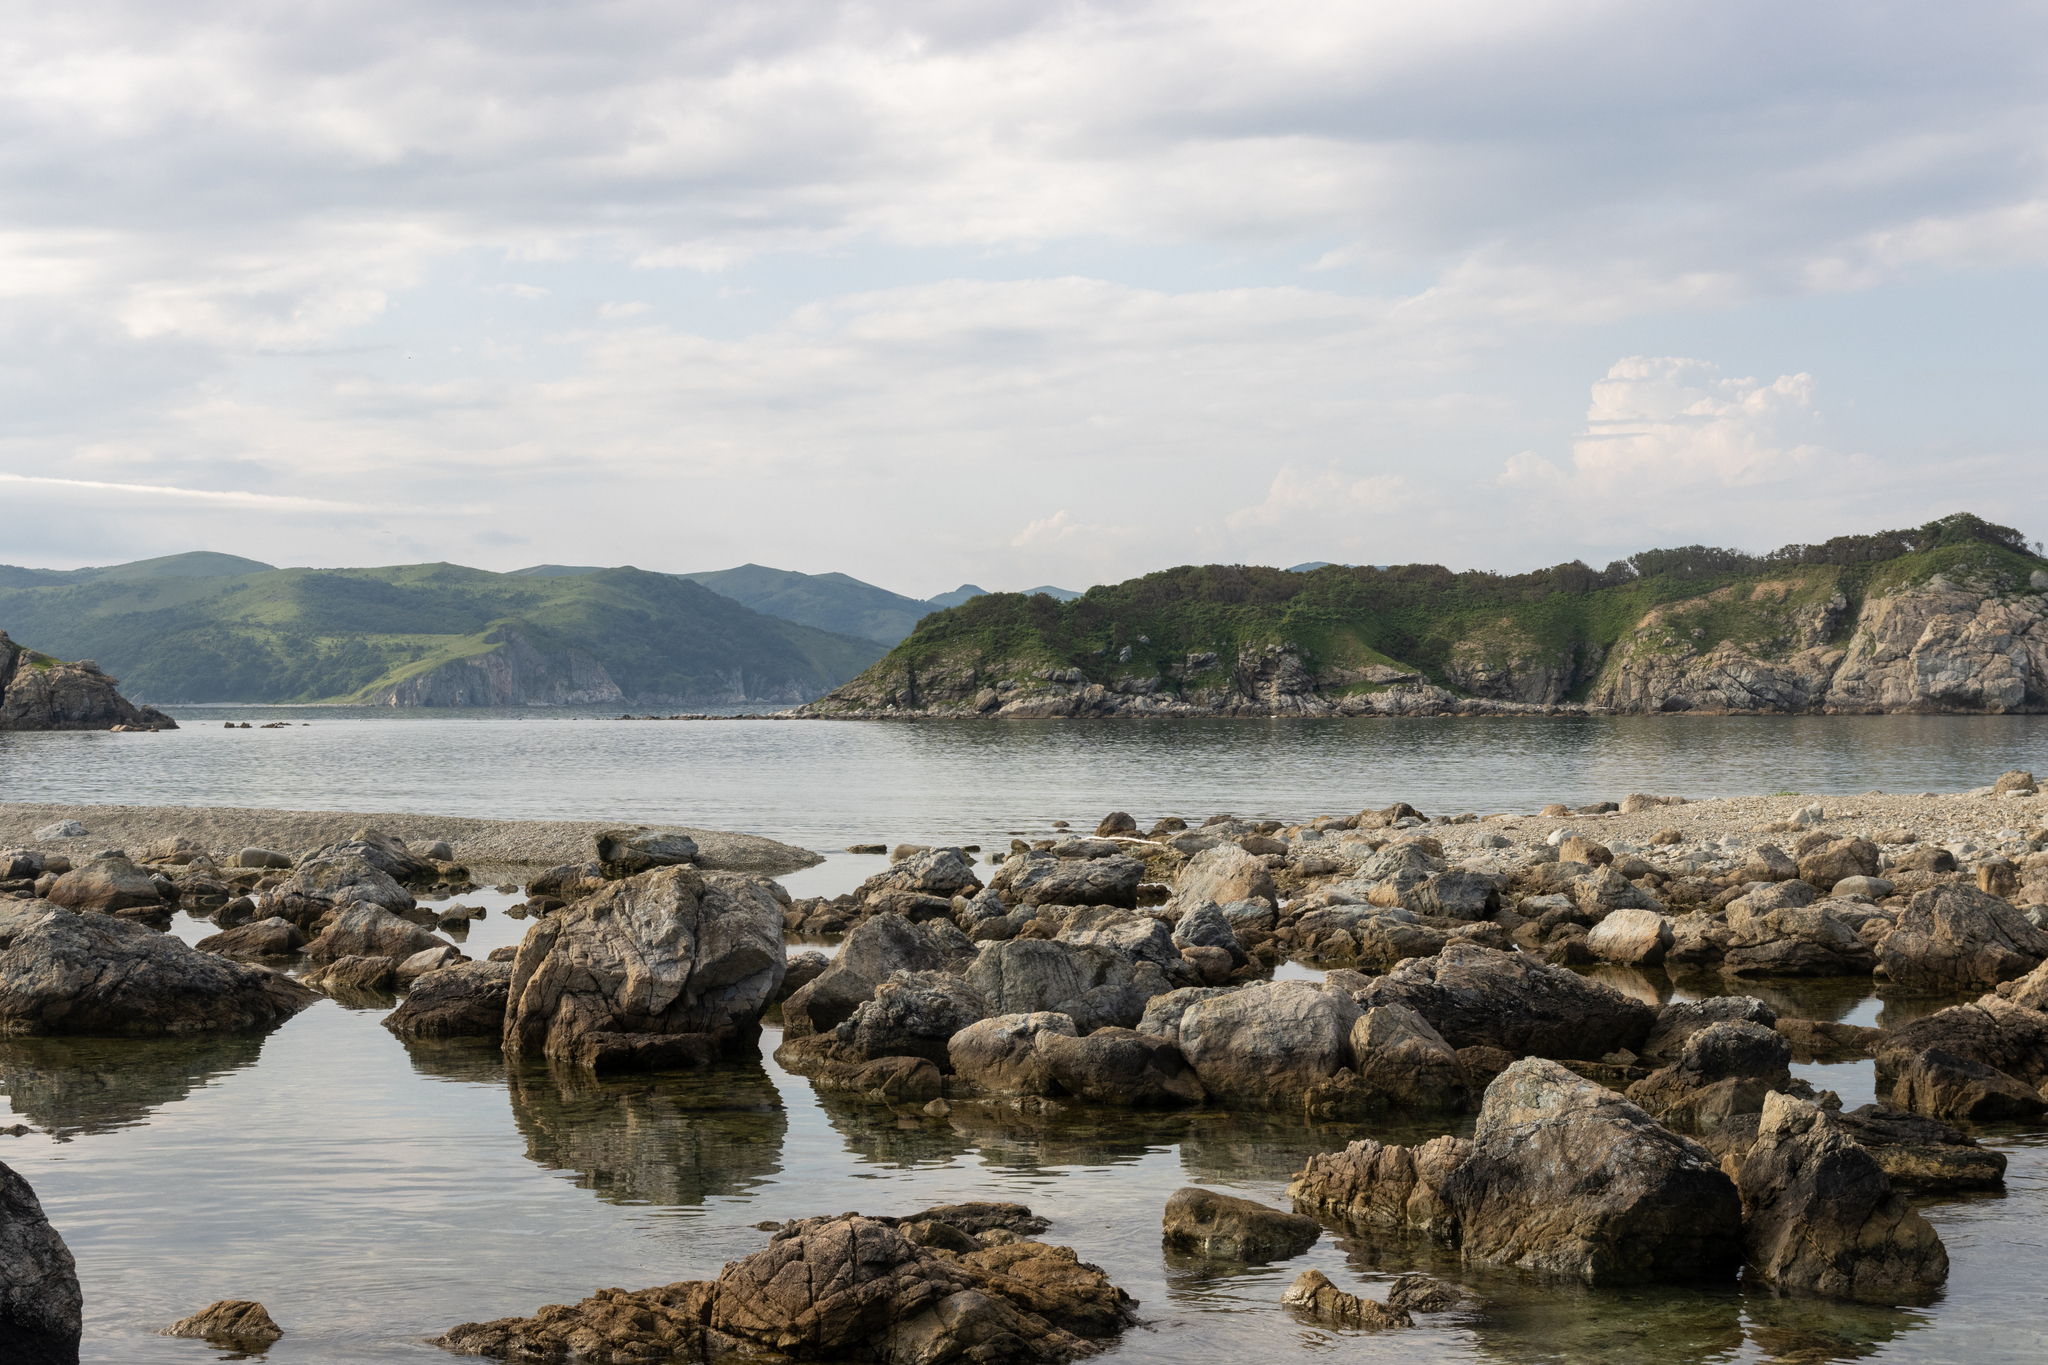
(74, 1086)
(668, 1139)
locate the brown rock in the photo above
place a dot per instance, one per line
(1313, 1294)
(237, 1322)
(1944, 1086)
(1225, 1227)
(1958, 936)
(1841, 858)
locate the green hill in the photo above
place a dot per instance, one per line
(431, 634)
(1212, 634)
(828, 601)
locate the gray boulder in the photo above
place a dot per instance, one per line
(1724, 1069)
(463, 1001)
(1681, 1019)
(41, 1308)
(1271, 1042)
(337, 878)
(674, 960)
(63, 971)
(1942, 1085)
(1476, 996)
(913, 1014)
(1205, 926)
(1456, 894)
(367, 930)
(273, 937)
(1163, 1013)
(1138, 937)
(877, 948)
(1773, 933)
(1095, 986)
(1000, 1056)
(1634, 938)
(942, 872)
(1120, 1067)
(1955, 936)
(1092, 881)
(383, 852)
(1403, 1063)
(1221, 875)
(1819, 1215)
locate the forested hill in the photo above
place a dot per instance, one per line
(1236, 639)
(209, 628)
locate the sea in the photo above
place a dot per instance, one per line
(373, 1192)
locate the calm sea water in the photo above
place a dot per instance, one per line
(372, 1192)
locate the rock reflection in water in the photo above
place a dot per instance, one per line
(671, 1139)
(73, 1086)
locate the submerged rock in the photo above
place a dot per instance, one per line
(1313, 1294)
(67, 972)
(235, 1322)
(644, 963)
(1223, 1226)
(41, 1308)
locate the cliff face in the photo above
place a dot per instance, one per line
(38, 692)
(514, 673)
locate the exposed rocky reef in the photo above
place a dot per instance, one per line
(38, 692)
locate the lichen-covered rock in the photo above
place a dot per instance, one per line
(41, 1308)
(667, 953)
(1313, 1294)
(1268, 1043)
(86, 973)
(1956, 936)
(241, 1323)
(1820, 1215)
(1208, 1223)
(1476, 996)
(463, 1001)
(1566, 1177)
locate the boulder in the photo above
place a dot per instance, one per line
(1820, 1216)
(1681, 1019)
(1457, 894)
(1929, 858)
(1163, 1013)
(107, 885)
(41, 1308)
(1955, 936)
(1840, 858)
(1767, 936)
(365, 929)
(1118, 1066)
(1398, 869)
(1207, 1223)
(1875, 888)
(1993, 1030)
(941, 872)
(87, 973)
(913, 1014)
(803, 969)
(426, 960)
(1403, 1063)
(628, 852)
(1268, 1043)
(1116, 822)
(1221, 875)
(1634, 938)
(2015, 781)
(662, 955)
(1417, 1293)
(1374, 1188)
(875, 949)
(1130, 934)
(1089, 881)
(1923, 1154)
(273, 937)
(1205, 926)
(466, 1000)
(335, 877)
(383, 852)
(353, 973)
(1605, 889)
(1312, 1294)
(1566, 1177)
(57, 829)
(1825, 1040)
(238, 1323)
(1475, 996)
(832, 1064)
(1000, 1056)
(1769, 863)
(1725, 1069)
(1095, 986)
(2029, 991)
(261, 857)
(1942, 1085)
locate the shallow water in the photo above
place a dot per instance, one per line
(372, 1193)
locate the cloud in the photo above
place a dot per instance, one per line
(158, 492)
(617, 312)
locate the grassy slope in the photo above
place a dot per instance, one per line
(827, 601)
(304, 634)
(1414, 616)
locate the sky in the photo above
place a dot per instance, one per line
(1014, 293)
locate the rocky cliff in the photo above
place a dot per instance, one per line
(513, 672)
(38, 692)
(1956, 628)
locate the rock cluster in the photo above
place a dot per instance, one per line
(38, 692)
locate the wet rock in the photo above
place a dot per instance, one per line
(1819, 1214)
(1724, 1069)
(1093, 985)
(1000, 1056)
(1957, 936)
(1945, 1086)
(1681, 1019)
(1314, 1295)
(1634, 938)
(41, 1309)
(1923, 1154)
(875, 950)
(628, 852)
(1118, 1066)
(666, 953)
(463, 1001)
(1376, 1188)
(611, 1326)
(86, 973)
(913, 1014)
(1207, 1223)
(108, 885)
(1270, 1042)
(1221, 875)
(1476, 996)
(368, 930)
(1566, 1177)
(234, 1322)
(1420, 1294)
(273, 937)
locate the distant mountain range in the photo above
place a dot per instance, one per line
(206, 626)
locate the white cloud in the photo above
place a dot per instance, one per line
(618, 312)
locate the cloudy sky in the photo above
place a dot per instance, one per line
(1013, 292)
